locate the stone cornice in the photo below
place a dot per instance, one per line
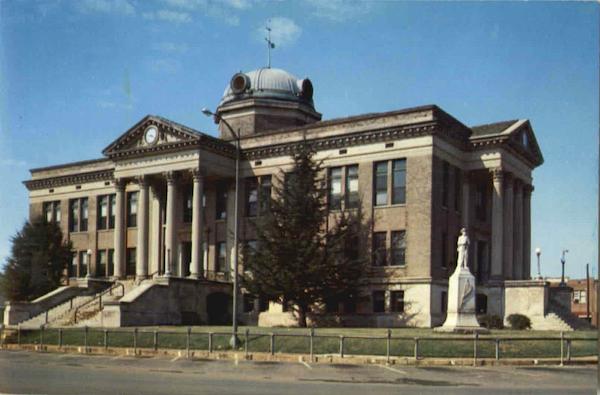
(341, 141)
(71, 179)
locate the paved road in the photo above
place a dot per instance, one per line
(45, 373)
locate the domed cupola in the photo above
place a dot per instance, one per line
(266, 100)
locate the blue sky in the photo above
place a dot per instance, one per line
(77, 74)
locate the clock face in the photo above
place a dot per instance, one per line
(151, 135)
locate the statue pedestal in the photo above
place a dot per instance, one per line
(461, 317)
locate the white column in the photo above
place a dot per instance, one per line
(141, 269)
(508, 227)
(497, 225)
(518, 232)
(527, 231)
(119, 232)
(197, 224)
(170, 247)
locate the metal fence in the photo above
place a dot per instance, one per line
(310, 343)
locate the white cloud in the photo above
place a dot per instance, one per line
(123, 7)
(168, 16)
(339, 10)
(284, 31)
(238, 4)
(169, 66)
(186, 4)
(224, 10)
(170, 47)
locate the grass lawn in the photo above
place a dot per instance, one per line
(326, 340)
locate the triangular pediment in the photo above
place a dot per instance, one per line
(152, 134)
(523, 140)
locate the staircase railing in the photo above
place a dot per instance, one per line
(98, 298)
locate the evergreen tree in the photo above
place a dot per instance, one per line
(38, 259)
(301, 258)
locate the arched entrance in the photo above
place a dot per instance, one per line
(218, 306)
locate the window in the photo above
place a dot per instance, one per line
(106, 212)
(263, 304)
(187, 206)
(78, 215)
(399, 181)
(481, 304)
(378, 301)
(379, 249)
(381, 183)
(445, 181)
(457, 189)
(398, 250)
(248, 303)
(397, 301)
(111, 263)
(350, 305)
(579, 297)
(83, 263)
(221, 257)
(264, 195)
(130, 265)
(251, 196)
(52, 212)
(132, 204)
(352, 198)
(335, 188)
(101, 263)
(221, 205)
(73, 266)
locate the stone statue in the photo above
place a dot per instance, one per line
(462, 246)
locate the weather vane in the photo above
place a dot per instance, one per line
(270, 44)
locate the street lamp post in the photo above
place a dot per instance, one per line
(234, 339)
(562, 261)
(538, 252)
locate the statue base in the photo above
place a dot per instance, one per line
(461, 316)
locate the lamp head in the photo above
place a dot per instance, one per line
(89, 252)
(207, 112)
(538, 251)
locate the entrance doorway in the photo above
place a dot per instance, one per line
(217, 308)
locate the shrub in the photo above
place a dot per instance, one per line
(491, 321)
(519, 322)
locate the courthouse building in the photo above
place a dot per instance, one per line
(156, 211)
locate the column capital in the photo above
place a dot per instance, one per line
(119, 184)
(197, 173)
(171, 176)
(498, 174)
(527, 189)
(142, 180)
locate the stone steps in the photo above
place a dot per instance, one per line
(56, 313)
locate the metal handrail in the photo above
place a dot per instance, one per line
(99, 298)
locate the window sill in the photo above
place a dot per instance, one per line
(105, 230)
(390, 205)
(78, 232)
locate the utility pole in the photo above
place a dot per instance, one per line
(587, 294)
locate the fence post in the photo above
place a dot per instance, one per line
(311, 334)
(59, 338)
(341, 346)
(562, 348)
(46, 317)
(246, 336)
(187, 341)
(100, 301)
(272, 344)
(41, 337)
(106, 339)
(497, 349)
(475, 338)
(210, 342)
(19, 334)
(155, 340)
(568, 350)
(71, 304)
(135, 331)
(85, 339)
(388, 345)
(416, 348)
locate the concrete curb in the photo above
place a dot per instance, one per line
(283, 357)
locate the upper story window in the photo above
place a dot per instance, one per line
(132, 205)
(252, 196)
(343, 187)
(187, 206)
(52, 212)
(264, 193)
(398, 250)
(106, 211)
(395, 255)
(78, 215)
(397, 301)
(395, 171)
(221, 257)
(221, 200)
(379, 249)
